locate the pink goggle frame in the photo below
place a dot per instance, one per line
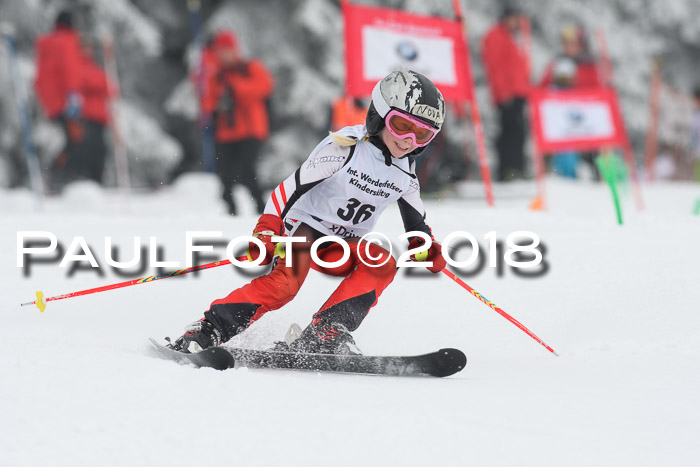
(402, 125)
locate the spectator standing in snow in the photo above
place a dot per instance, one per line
(236, 97)
(574, 68)
(57, 86)
(506, 70)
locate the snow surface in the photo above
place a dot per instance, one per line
(619, 304)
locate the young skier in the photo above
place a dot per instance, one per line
(341, 189)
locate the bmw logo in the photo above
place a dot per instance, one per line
(407, 51)
(575, 117)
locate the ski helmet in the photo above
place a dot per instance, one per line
(409, 92)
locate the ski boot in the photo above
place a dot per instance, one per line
(198, 336)
(292, 334)
(326, 338)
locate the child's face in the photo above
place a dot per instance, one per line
(397, 147)
(572, 48)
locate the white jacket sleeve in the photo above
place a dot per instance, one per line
(325, 160)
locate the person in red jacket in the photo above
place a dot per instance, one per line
(58, 71)
(57, 85)
(237, 98)
(506, 71)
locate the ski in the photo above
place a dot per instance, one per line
(444, 362)
(216, 357)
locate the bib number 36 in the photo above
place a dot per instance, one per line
(356, 211)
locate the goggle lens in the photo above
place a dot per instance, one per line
(403, 126)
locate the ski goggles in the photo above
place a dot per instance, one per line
(401, 125)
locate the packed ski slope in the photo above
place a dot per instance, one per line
(619, 304)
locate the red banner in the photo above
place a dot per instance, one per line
(380, 40)
(576, 120)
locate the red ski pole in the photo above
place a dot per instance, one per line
(497, 309)
(40, 302)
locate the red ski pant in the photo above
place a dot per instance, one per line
(365, 280)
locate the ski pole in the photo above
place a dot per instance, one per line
(40, 301)
(498, 310)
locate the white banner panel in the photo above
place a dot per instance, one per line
(386, 50)
(576, 120)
